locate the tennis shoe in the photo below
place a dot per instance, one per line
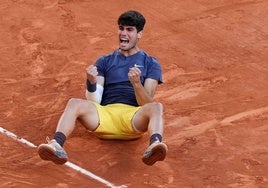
(155, 152)
(52, 151)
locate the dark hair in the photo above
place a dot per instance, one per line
(132, 18)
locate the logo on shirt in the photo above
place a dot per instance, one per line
(137, 65)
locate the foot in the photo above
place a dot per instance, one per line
(52, 151)
(155, 152)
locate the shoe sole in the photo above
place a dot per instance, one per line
(158, 153)
(46, 153)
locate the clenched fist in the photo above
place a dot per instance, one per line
(134, 75)
(92, 73)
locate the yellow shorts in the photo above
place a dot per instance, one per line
(115, 122)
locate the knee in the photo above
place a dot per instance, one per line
(156, 108)
(74, 103)
(79, 107)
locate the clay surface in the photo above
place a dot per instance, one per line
(214, 56)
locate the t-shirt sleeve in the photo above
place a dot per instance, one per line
(100, 66)
(155, 70)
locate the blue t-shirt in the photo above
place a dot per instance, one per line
(114, 67)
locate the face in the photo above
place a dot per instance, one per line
(128, 38)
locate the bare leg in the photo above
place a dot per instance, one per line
(78, 109)
(149, 118)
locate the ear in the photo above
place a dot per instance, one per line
(139, 34)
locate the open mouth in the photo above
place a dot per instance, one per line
(124, 41)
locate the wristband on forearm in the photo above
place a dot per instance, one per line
(95, 96)
(91, 87)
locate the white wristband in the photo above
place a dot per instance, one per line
(95, 96)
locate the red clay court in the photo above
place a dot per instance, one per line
(214, 56)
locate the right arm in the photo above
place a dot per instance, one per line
(95, 84)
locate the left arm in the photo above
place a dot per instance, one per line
(144, 94)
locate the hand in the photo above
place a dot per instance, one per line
(92, 73)
(134, 75)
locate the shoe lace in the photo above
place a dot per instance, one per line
(48, 139)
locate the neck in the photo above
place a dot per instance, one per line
(129, 52)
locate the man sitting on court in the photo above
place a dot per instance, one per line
(119, 98)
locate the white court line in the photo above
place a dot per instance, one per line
(69, 164)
